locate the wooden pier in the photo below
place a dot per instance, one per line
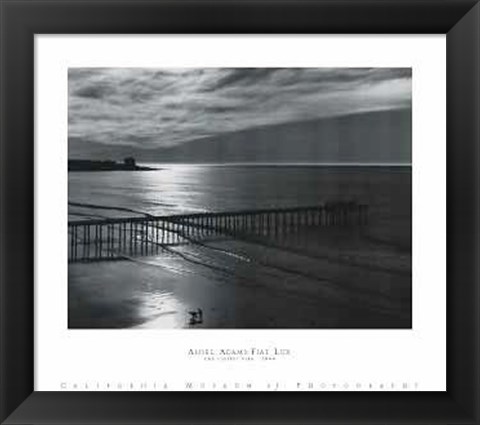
(104, 239)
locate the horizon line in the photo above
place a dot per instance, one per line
(339, 164)
(278, 163)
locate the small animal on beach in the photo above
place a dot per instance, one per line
(196, 317)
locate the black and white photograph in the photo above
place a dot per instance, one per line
(239, 198)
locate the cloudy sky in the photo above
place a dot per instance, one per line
(155, 108)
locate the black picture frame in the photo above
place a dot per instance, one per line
(21, 20)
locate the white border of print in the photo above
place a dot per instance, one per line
(416, 357)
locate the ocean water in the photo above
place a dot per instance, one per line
(321, 278)
(177, 189)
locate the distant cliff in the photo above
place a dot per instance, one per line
(128, 164)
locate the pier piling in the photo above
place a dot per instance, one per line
(94, 240)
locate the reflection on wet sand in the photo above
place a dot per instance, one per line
(161, 310)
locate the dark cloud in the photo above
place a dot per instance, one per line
(95, 91)
(241, 76)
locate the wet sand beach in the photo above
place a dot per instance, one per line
(325, 279)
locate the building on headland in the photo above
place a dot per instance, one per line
(129, 162)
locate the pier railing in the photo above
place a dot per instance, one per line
(103, 239)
